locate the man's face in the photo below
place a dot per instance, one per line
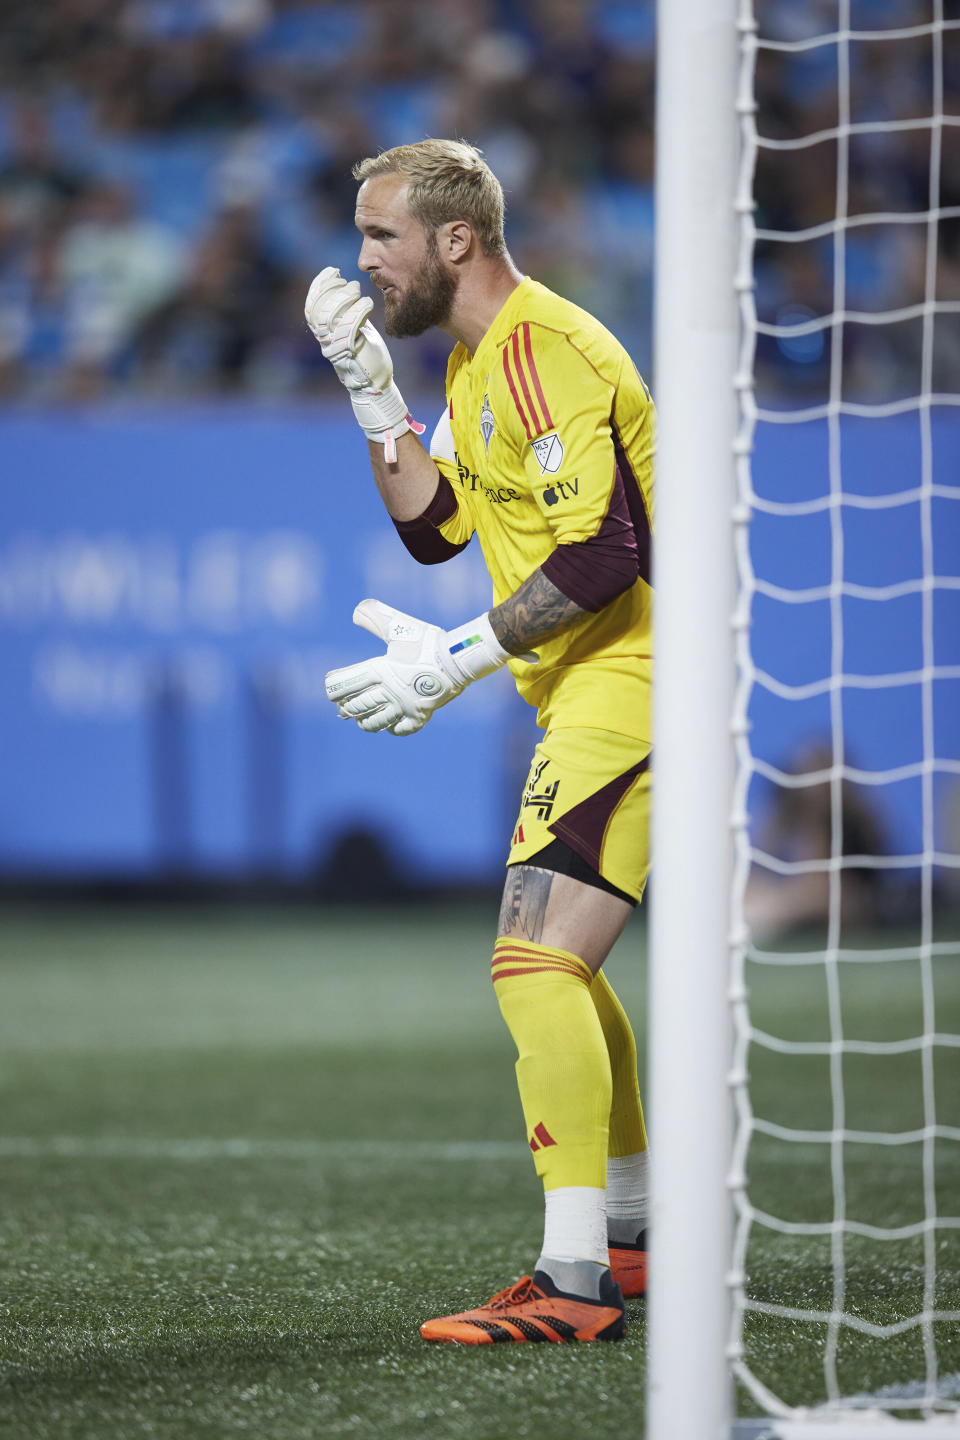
(402, 259)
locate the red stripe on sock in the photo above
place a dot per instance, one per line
(519, 963)
(537, 957)
(530, 952)
(540, 970)
(549, 957)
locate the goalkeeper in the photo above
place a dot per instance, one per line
(545, 452)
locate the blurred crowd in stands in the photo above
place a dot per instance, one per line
(173, 172)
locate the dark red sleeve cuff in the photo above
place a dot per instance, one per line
(422, 537)
(593, 572)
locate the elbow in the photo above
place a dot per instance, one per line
(423, 537)
(617, 580)
(605, 594)
(425, 543)
(591, 576)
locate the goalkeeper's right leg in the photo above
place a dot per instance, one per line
(628, 1156)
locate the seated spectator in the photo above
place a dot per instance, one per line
(116, 267)
(212, 325)
(32, 317)
(37, 187)
(800, 827)
(330, 182)
(216, 90)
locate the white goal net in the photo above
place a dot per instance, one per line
(850, 330)
(842, 1281)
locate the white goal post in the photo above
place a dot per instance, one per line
(689, 1032)
(705, 335)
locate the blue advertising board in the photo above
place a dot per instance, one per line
(174, 586)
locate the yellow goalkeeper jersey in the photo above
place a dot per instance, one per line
(549, 436)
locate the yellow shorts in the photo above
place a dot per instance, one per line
(591, 789)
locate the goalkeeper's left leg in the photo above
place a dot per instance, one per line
(576, 1072)
(564, 1075)
(584, 818)
(571, 886)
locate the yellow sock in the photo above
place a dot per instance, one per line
(563, 1068)
(628, 1135)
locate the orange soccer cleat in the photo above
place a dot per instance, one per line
(535, 1310)
(628, 1266)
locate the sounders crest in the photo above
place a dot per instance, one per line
(487, 423)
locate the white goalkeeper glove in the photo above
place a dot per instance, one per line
(424, 667)
(337, 314)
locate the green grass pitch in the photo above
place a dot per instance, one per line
(245, 1152)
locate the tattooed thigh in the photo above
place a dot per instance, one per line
(525, 897)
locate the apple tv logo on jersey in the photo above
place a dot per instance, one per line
(566, 488)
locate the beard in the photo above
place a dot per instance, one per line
(426, 303)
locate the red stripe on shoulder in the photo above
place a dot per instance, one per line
(513, 391)
(534, 376)
(518, 364)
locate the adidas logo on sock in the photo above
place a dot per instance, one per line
(541, 1138)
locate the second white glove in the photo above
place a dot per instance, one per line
(337, 313)
(424, 667)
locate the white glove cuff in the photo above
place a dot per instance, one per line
(475, 650)
(383, 417)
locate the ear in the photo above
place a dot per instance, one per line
(456, 240)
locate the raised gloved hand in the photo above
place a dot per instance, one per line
(337, 314)
(424, 667)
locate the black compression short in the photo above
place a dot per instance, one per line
(559, 857)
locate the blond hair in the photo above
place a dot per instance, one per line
(447, 180)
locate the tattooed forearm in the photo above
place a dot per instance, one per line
(532, 614)
(525, 897)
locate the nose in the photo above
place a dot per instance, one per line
(365, 260)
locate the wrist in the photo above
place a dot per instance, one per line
(383, 417)
(474, 650)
